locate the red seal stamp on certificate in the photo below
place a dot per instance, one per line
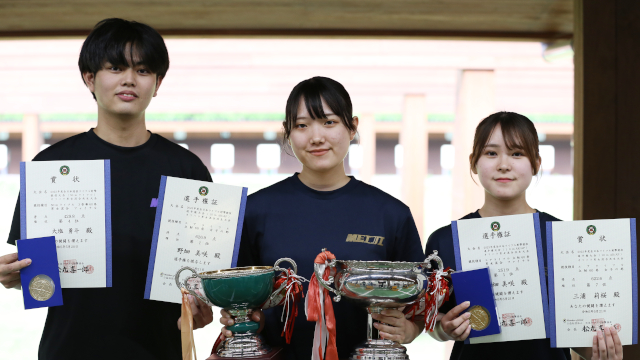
(618, 327)
(598, 324)
(70, 266)
(527, 321)
(88, 269)
(509, 319)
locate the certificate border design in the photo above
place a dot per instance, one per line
(539, 255)
(23, 200)
(552, 292)
(107, 213)
(236, 246)
(634, 280)
(541, 272)
(456, 245)
(156, 233)
(107, 219)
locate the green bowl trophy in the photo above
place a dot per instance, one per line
(239, 291)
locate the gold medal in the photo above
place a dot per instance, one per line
(41, 287)
(480, 318)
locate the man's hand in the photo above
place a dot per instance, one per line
(396, 327)
(606, 346)
(10, 270)
(202, 314)
(455, 325)
(227, 320)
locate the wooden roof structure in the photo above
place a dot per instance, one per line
(453, 19)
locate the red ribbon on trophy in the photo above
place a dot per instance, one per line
(319, 308)
(289, 297)
(437, 293)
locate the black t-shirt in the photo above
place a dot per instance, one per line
(289, 219)
(539, 349)
(117, 322)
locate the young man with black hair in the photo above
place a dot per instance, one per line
(123, 64)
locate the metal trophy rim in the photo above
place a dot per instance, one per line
(339, 294)
(234, 273)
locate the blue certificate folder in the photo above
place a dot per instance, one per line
(475, 286)
(44, 268)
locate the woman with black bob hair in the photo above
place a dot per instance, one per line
(322, 207)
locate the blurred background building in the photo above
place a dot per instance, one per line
(224, 100)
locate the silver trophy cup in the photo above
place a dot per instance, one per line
(379, 285)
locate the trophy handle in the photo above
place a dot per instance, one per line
(434, 257)
(184, 285)
(277, 268)
(327, 283)
(290, 261)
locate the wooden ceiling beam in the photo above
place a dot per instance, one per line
(451, 19)
(311, 33)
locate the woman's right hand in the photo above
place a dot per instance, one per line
(227, 320)
(457, 326)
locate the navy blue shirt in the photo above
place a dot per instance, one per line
(117, 322)
(289, 219)
(539, 349)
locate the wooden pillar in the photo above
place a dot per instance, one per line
(606, 125)
(475, 101)
(31, 137)
(413, 138)
(367, 133)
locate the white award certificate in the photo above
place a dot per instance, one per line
(592, 280)
(511, 246)
(71, 200)
(198, 224)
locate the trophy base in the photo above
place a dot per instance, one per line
(380, 350)
(275, 354)
(247, 345)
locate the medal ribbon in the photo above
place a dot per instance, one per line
(319, 308)
(186, 328)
